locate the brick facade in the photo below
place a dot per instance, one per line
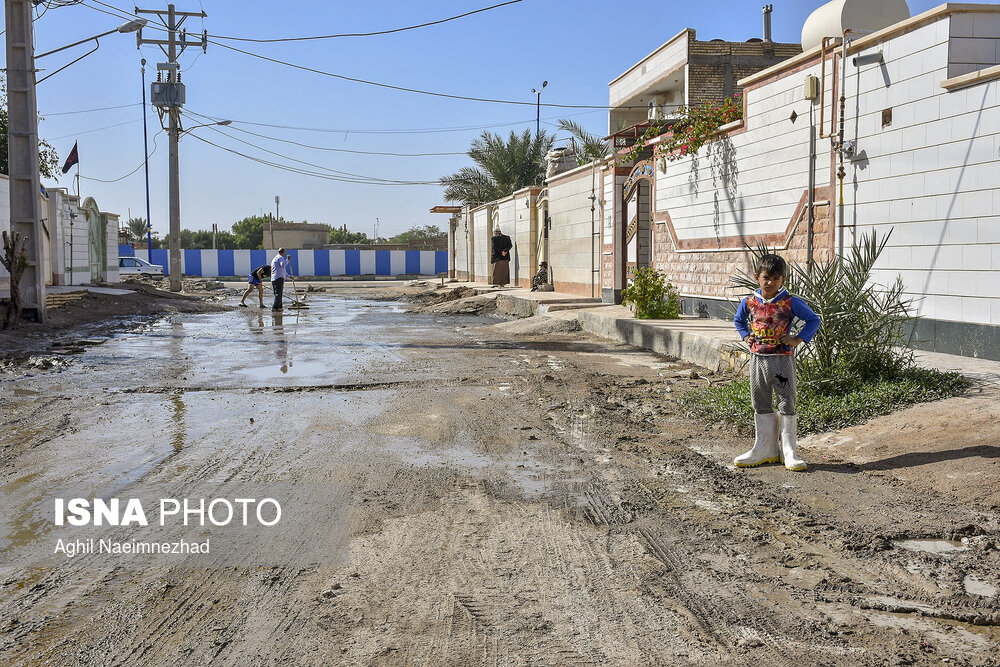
(707, 273)
(715, 67)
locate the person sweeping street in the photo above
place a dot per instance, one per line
(256, 279)
(500, 258)
(281, 270)
(764, 321)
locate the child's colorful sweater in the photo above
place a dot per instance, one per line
(767, 321)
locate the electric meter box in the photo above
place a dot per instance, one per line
(167, 93)
(811, 91)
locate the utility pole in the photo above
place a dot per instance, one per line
(215, 230)
(22, 138)
(168, 97)
(277, 217)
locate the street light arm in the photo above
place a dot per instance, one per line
(76, 60)
(70, 46)
(221, 122)
(131, 26)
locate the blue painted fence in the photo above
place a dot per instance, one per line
(226, 263)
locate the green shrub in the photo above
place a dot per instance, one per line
(653, 296)
(860, 363)
(862, 335)
(819, 410)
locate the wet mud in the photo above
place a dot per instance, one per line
(518, 496)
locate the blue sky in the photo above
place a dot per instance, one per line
(578, 46)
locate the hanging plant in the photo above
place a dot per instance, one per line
(688, 129)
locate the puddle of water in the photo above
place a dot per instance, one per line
(291, 369)
(974, 586)
(532, 477)
(932, 546)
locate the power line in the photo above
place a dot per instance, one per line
(324, 148)
(308, 164)
(305, 172)
(430, 130)
(418, 91)
(366, 34)
(122, 178)
(96, 129)
(405, 89)
(67, 113)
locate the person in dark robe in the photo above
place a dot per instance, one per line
(500, 246)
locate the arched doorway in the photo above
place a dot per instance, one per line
(97, 234)
(637, 211)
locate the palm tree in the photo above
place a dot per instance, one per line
(591, 147)
(136, 228)
(502, 167)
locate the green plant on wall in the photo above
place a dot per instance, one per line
(654, 298)
(688, 129)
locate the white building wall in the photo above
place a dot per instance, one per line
(481, 230)
(931, 177)
(974, 43)
(462, 238)
(571, 246)
(667, 58)
(752, 182)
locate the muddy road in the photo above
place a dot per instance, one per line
(513, 500)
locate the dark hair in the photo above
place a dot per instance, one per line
(540, 264)
(772, 265)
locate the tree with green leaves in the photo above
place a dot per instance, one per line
(48, 161)
(248, 233)
(342, 235)
(136, 230)
(589, 147)
(503, 166)
(418, 235)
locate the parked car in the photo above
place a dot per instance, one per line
(133, 266)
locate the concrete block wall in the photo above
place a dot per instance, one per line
(571, 245)
(749, 185)
(305, 263)
(517, 218)
(463, 256)
(931, 176)
(974, 43)
(482, 230)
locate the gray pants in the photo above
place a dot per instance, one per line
(772, 373)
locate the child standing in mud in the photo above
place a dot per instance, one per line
(764, 321)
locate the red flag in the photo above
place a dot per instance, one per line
(73, 158)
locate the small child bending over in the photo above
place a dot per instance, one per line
(764, 321)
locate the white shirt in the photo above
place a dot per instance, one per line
(280, 267)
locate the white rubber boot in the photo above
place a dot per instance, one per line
(765, 444)
(789, 456)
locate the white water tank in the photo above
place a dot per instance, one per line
(833, 18)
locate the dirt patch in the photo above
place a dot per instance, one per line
(951, 446)
(96, 315)
(539, 325)
(432, 297)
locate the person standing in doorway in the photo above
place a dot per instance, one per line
(281, 270)
(500, 258)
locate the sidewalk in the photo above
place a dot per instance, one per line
(709, 343)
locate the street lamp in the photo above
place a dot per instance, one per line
(218, 122)
(132, 26)
(538, 107)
